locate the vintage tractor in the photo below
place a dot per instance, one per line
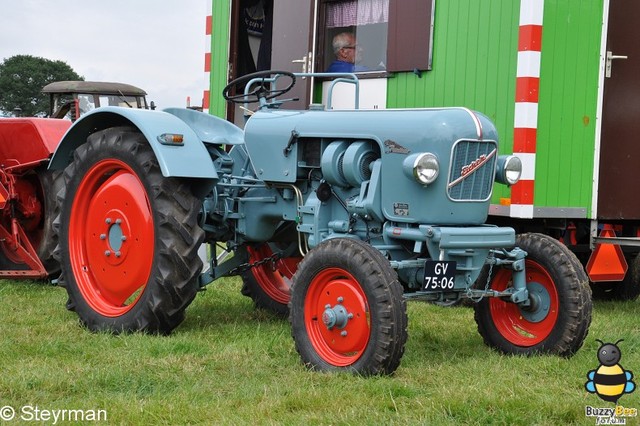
(336, 217)
(28, 190)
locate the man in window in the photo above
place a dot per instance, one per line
(347, 52)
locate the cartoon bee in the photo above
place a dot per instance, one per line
(610, 381)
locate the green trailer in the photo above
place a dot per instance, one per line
(559, 78)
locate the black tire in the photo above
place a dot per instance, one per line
(51, 182)
(556, 276)
(630, 290)
(353, 275)
(585, 293)
(149, 285)
(47, 184)
(268, 284)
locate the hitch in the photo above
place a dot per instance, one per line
(17, 242)
(13, 235)
(515, 261)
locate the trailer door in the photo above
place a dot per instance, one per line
(271, 35)
(620, 133)
(292, 45)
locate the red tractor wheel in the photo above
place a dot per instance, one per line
(129, 237)
(269, 284)
(558, 318)
(341, 299)
(347, 309)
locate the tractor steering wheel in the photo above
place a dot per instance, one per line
(262, 91)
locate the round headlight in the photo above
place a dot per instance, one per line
(426, 168)
(509, 169)
(513, 170)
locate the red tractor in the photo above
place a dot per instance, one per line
(27, 189)
(28, 196)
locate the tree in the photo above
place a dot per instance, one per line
(22, 78)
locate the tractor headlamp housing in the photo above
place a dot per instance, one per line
(508, 169)
(423, 167)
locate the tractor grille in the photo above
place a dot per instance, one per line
(472, 172)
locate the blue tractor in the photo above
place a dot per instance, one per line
(333, 217)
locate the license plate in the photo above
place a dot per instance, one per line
(439, 275)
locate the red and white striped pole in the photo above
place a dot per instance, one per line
(207, 57)
(526, 106)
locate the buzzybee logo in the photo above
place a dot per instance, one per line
(609, 381)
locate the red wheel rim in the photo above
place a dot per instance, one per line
(508, 317)
(111, 238)
(340, 347)
(274, 278)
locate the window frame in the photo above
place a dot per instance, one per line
(409, 41)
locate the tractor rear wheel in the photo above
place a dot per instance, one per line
(558, 319)
(269, 284)
(347, 311)
(51, 182)
(129, 237)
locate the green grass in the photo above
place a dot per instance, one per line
(231, 364)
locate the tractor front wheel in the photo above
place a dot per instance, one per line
(128, 237)
(347, 311)
(558, 318)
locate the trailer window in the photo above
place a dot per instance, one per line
(356, 35)
(389, 35)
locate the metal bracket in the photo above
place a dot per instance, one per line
(292, 140)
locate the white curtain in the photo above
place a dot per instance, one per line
(357, 12)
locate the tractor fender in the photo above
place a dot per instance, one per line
(190, 160)
(209, 128)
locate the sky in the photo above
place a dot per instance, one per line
(157, 45)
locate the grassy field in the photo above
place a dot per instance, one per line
(231, 364)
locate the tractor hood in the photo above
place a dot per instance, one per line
(272, 137)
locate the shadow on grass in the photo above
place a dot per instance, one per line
(223, 307)
(440, 332)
